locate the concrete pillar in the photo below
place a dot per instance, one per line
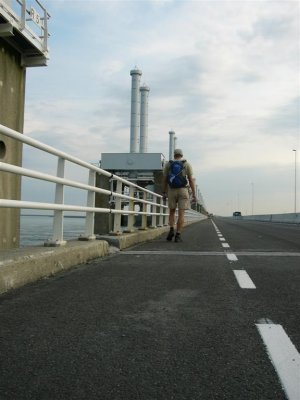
(12, 99)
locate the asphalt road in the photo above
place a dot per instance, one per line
(163, 321)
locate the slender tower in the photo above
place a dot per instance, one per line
(135, 110)
(144, 119)
(171, 145)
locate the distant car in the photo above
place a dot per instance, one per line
(237, 214)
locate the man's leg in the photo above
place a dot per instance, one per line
(180, 220)
(182, 206)
(171, 223)
(172, 218)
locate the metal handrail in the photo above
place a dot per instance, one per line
(153, 203)
(52, 150)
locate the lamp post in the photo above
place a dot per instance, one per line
(295, 200)
(252, 197)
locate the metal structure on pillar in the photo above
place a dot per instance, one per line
(138, 165)
(25, 28)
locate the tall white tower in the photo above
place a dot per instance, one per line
(171, 145)
(135, 110)
(144, 119)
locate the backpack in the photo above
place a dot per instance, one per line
(176, 178)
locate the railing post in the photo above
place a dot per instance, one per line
(23, 14)
(131, 208)
(58, 219)
(161, 211)
(144, 216)
(90, 216)
(166, 217)
(154, 210)
(45, 35)
(118, 206)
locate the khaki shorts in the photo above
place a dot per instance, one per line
(179, 196)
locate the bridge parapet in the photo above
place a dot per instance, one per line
(287, 218)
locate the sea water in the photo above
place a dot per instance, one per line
(37, 229)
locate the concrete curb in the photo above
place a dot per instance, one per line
(130, 239)
(21, 266)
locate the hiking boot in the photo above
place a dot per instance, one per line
(178, 237)
(170, 234)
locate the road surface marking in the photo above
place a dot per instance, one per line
(174, 252)
(268, 253)
(222, 239)
(284, 356)
(231, 257)
(244, 279)
(225, 245)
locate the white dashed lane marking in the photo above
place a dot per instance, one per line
(231, 257)
(284, 356)
(244, 279)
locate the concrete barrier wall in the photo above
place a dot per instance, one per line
(19, 267)
(288, 218)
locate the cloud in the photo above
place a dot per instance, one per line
(285, 120)
(276, 28)
(223, 75)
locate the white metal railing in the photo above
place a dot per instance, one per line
(152, 204)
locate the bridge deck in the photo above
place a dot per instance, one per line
(162, 320)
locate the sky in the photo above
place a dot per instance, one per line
(224, 75)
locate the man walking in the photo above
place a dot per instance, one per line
(177, 175)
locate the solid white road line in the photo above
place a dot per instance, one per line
(172, 252)
(230, 256)
(244, 279)
(268, 253)
(284, 356)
